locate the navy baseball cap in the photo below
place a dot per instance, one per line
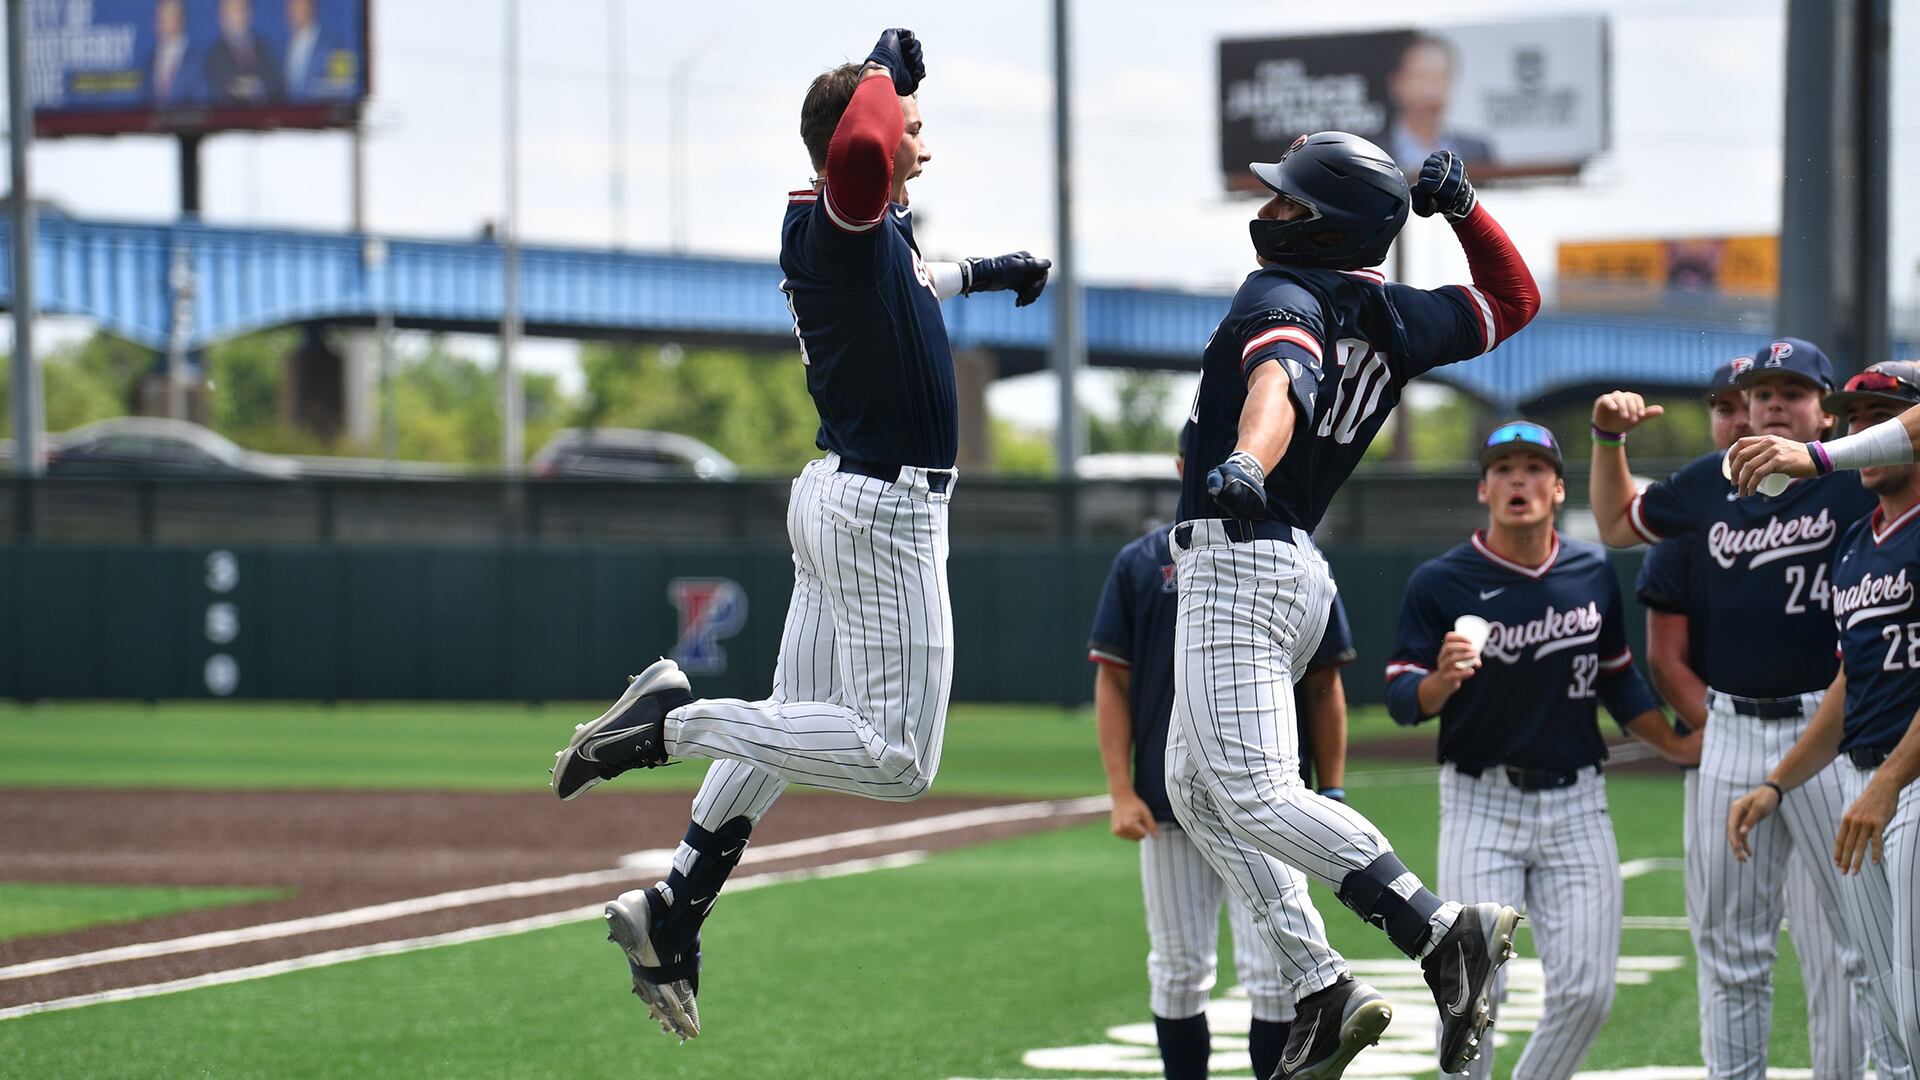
(1726, 377)
(1522, 435)
(1896, 382)
(1793, 356)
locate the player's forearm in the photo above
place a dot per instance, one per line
(1499, 273)
(1679, 686)
(1434, 692)
(949, 279)
(1326, 700)
(1114, 727)
(1610, 489)
(1651, 727)
(1267, 418)
(1819, 744)
(1890, 442)
(860, 157)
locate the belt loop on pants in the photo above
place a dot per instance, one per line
(1781, 708)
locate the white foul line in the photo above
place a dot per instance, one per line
(631, 866)
(455, 937)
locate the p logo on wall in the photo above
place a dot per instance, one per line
(710, 609)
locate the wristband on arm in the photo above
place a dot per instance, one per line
(1609, 438)
(1885, 443)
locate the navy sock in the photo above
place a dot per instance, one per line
(1389, 896)
(696, 887)
(1266, 1042)
(1185, 1046)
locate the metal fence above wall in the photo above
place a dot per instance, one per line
(1373, 510)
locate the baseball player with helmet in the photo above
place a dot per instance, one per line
(1672, 588)
(1132, 643)
(860, 690)
(1511, 639)
(1765, 562)
(1296, 381)
(1866, 726)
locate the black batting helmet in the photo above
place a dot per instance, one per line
(1356, 194)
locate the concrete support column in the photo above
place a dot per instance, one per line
(973, 372)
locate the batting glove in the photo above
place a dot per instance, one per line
(1020, 272)
(1239, 485)
(1443, 187)
(899, 52)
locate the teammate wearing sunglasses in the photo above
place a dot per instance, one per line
(1869, 713)
(1892, 441)
(1523, 807)
(1767, 565)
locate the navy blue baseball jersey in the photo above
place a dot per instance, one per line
(871, 336)
(1670, 581)
(1879, 628)
(1349, 341)
(1764, 566)
(1558, 642)
(1133, 628)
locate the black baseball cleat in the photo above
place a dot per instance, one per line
(1330, 1026)
(666, 977)
(631, 735)
(1460, 972)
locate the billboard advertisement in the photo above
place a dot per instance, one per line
(1524, 98)
(1731, 265)
(106, 67)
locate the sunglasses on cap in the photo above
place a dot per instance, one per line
(1523, 433)
(1879, 382)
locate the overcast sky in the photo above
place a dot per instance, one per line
(1696, 106)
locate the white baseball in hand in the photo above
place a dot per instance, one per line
(1475, 629)
(1770, 485)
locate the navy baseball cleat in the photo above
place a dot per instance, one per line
(1329, 1028)
(664, 977)
(1460, 973)
(631, 735)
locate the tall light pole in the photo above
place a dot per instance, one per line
(1069, 348)
(511, 400)
(617, 123)
(28, 418)
(677, 83)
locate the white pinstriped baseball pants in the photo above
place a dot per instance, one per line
(859, 700)
(1183, 898)
(1551, 854)
(1838, 1015)
(1886, 900)
(1250, 616)
(1734, 908)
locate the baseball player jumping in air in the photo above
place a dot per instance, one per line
(1869, 714)
(859, 697)
(1510, 639)
(1295, 383)
(1132, 643)
(1766, 562)
(1672, 587)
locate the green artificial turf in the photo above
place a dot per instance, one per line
(29, 909)
(951, 968)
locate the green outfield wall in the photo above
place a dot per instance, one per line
(154, 622)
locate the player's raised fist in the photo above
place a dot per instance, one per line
(1622, 410)
(1021, 272)
(1239, 485)
(1443, 188)
(899, 52)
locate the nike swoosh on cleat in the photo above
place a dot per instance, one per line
(1290, 1062)
(1459, 1008)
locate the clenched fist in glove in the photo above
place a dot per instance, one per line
(899, 52)
(1443, 188)
(1020, 272)
(1239, 485)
